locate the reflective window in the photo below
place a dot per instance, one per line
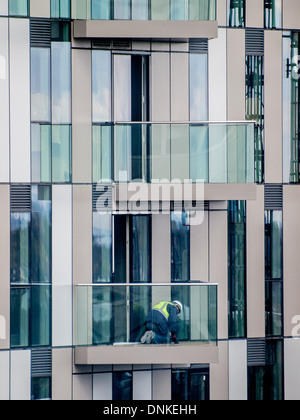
(41, 150)
(274, 273)
(236, 14)
(60, 9)
(102, 248)
(272, 14)
(61, 153)
(122, 386)
(122, 9)
(160, 9)
(19, 7)
(190, 384)
(41, 388)
(19, 247)
(179, 9)
(40, 85)
(19, 317)
(61, 82)
(237, 270)
(101, 86)
(102, 153)
(101, 9)
(140, 10)
(122, 88)
(198, 87)
(255, 108)
(180, 247)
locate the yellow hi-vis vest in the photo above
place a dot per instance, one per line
(162, 308)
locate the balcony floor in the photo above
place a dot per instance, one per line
(137, 353)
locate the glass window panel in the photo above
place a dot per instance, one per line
(273, 244)
(101, 9)
(101, 86)
(272, 14)
(140, 305)
(180, 388)
(236, 153)
(274, 308)
(199, 153)
(160, 10)
(274, 378)
(140, 9)
(41, 153)
(102, 167)
(294, 108)
(121, 9)
(61, 82)
(179, 9)
(236, 14)
(122, 386)
(140, 249)
(180, 152)
(122, 153)
(40, 84)
(122, 88)
(217, 153)
(102, 315)
(286, 105)
(202, 10)
(20, 247)
(19, 317)
(102, 248)
(198, 87)
(60, 9)
(237, 270)
(180, 247)
(41, 255)
(82, 9)
(40, 389)
(61, 153)
(41, 315)
(18, 7)
(160, 136)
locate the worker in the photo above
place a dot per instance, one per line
(162, 323)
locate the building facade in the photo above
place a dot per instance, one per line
(149, 150)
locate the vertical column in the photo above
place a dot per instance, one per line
(273, 106)
(256, 266)
(255, 14)
(20, 375)
(61, 265)
(102, 386)
(81, 115)
(161, 385)
(4, 267)
(4, 375)
(291, 260)
(218, 263)
(19, 100)
(4, 103)
(40, 8)
(219, 384)
(62, 374)
(142, 385)
(235, 75)
(238, 370)
(217, 77)
(292, 369)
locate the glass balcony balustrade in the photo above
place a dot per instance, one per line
(114, 314)
(145, 9)
(206, 152)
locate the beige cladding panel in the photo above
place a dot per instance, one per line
(219, 374)
(273, 106)
(4, 267)
(222, 12)
(256, 266)
(62, 373)
(255, 14)
(291, 260)
(235, 75)
(161, 252)
(82, 234)
(40, 8)
(291, 13)
(81, 115)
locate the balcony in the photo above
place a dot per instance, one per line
(146, 19)
(218, 155)
(110, 320)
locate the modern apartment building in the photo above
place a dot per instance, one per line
(149, 151)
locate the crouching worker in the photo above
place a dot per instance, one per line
(162, 323)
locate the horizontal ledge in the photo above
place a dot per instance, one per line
(147, 354)
(145, 29)
(146, 284)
